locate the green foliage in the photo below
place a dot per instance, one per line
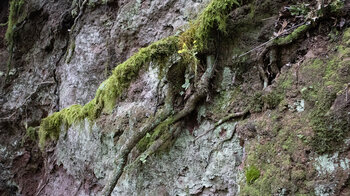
(187, 83)
(336, 6)
(299, 9)
(189, 55)
(252, 173)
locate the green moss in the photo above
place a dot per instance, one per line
(337, 6)
(276, 97)
(343, 51)
(252, 173)
(70, 52)
(123, 74)
(50, 126)
(289, 144)
(287, 83)
(260, 101)
(16, 15)
(324, 81)
(108, 92)
(272, 178)
(263, 186)
(148, 140)
(256, 103)
(298, 174)
(293, 36)
(273, 156)
(272, 99)
(31, 133)
(213, 19)
(330, 127)
(346, 37)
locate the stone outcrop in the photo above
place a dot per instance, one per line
(273, 120)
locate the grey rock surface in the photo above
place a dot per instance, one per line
(55, 66)
(206, 166)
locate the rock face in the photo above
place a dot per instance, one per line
(55, 66)
(275, 120)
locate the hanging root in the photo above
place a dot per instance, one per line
(202, 89)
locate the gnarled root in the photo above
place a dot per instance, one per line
(200, 93)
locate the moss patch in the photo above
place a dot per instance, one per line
(123, 74)
(213, 18)
(293, 36)
(252, 173)
(329, 78)
(50, 126)
(16, 15)
(31, 133)
(274, 155)
(109, 90)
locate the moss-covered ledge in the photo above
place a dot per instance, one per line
(108, 92)
(202, 33)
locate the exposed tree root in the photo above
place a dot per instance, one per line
(222, 121)
(81, 6)
(271, 52)
(202, 89)
(273, 46)
(170, 133)
(219, 144)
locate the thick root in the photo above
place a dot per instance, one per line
(200, 93)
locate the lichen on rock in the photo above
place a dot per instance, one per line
(247, 99)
